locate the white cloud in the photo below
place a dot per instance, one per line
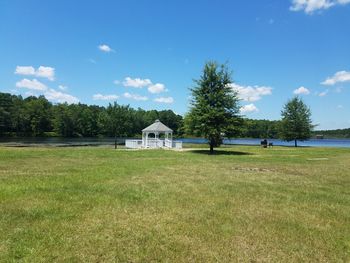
(63, 88)
(156, 88)
(135, 96)
(105, 48)
(25, 70)
(309, 6)
(251, 93)
(137, 82)
(46, 72)
(104, 97)
(340, 107)
(323, 93)
(36, 87)
(31, 84)
(301, 91)
(116, 82)
(250, 108)
(339, 77)
(43, 72)
(167, 100)
(14, 91)
(58, 96)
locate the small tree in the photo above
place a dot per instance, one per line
(296, 121)
(214, 106)
(117, 121)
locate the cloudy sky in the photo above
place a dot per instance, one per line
(146, 53)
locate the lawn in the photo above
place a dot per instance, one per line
(244, 204)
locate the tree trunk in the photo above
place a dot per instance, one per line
(211, 148)
(295, 143)
(115, 141)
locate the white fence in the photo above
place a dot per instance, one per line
(153, 143)
(133, 144)
(168, 143)
(177, 144)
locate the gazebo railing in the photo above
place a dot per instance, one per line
(168, 143)
(153, 143)
(177, 144)
(133, 144)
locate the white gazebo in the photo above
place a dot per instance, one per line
(155, 129)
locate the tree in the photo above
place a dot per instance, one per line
(117, 121)
(296, 121)
(214, 106)
(39, 114)
(63, 121)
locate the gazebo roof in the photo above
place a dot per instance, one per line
(157, 126)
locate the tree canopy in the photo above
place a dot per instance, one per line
(296, 121)
(214, 106)
(36, 116)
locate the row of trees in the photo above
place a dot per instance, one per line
(215, 107)
(214, 114)
(338, 133)
(36, 116)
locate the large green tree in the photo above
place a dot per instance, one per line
(296, 121)
(214, 106)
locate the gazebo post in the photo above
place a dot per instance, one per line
(143, 139)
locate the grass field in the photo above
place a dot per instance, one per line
(244, 204)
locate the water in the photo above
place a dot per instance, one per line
(57, 141)
(276, 142)
(110, 141)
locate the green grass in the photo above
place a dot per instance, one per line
(244, 204)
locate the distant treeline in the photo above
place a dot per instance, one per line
(339, 133)
(36, 116)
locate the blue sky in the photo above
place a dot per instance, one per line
(146, 53)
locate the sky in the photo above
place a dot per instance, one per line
(147, 53)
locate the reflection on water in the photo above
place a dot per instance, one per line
(58, 141)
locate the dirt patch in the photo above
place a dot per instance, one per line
(252, 169)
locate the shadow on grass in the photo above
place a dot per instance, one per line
(219, 152)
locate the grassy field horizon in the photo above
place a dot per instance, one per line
(246, 203)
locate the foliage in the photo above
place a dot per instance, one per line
(260, 129)
(214, 106)
(338, 133)
(296, 121)
(37, 116)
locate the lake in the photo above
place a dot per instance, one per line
(276, 142)
(62, 142)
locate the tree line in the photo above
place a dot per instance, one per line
(338, 133)
(36, 116)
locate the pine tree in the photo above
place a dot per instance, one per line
(214, 106)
